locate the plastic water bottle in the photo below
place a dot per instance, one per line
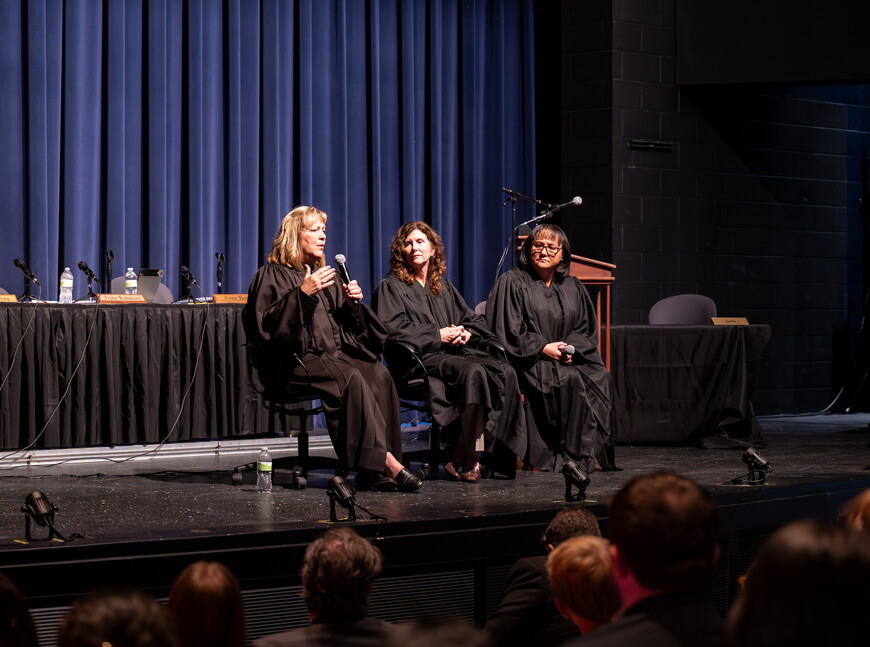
(131, 282)
(264, 471)
(66, 286)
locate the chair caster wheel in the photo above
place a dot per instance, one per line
(237, 478)
(298, 482)
(425, 470)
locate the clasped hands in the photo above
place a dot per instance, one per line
(455, 335)
(553, 350)
(322, 278)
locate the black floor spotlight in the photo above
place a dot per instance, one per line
(759, 469)
(38, 508)
(575, 477)
(341, 493)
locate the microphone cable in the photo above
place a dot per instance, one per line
(21, 340)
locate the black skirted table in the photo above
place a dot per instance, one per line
(135, 375)
(687, 384)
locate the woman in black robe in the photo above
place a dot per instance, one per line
(467, 386)
(295, 303)
(538, 310)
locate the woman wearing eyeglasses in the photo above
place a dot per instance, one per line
(538, 311)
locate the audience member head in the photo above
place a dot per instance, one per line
(400, 264)
(549, 235)
(856, 513)
(580, 576)
(287, 244)
(570, 522)
(206, 606)
(121, 618)
(663, 527)
(16, 623)
(338, 571)
(809, 585)
(439, 633)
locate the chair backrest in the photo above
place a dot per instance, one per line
(480, 308)
(2, 291)
(683, 309)
(164, 295)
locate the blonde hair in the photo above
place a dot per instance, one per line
(580, 576)
(286, 246)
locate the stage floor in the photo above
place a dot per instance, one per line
(139, 521)
(190, 495)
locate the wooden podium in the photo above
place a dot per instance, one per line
(597, 276)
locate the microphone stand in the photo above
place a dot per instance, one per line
(220, 273)
(27, 297)
(90, 296)
(110, 256)
(514, 227)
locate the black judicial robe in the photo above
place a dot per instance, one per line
(464, 374)
(340, 350)
(569, 408)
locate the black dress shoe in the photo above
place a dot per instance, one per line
(407, 481)
(368, 480)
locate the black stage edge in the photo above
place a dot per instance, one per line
(447, 549)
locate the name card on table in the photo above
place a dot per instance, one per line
(730, 321)
(8, 298)
(229, 298)
(121, 298)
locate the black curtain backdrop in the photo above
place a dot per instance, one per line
(169, 130)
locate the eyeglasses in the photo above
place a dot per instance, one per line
(550, 249)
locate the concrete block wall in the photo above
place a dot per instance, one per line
(754, 204)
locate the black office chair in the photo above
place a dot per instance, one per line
(683, 309)
(278, 362)
(412, 384)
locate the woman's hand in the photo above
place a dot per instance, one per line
(318, 280)
(455, 335)
(353, 294)
(553, 350)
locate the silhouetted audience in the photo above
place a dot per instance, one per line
(663, 542)
(338, 572)
(809, 585)
(16, 624)
(582, 581)
(206, 606)
(527, 613)
(856, 513)
(119, 618)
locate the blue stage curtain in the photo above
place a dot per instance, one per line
(169, 130)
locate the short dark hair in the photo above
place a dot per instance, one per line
(16, 623)
(550, 232)
(122, 617)
(338, 571)
(571, 522)
(665, 527)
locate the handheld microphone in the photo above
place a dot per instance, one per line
(576, 200)
(188, 276)
(342, 271)
(568, 351)
(21, 265)
(88, 271)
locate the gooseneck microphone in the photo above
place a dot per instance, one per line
(342, 271)
(88, 271)
(21, 265)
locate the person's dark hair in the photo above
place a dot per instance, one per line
(571, 522)
(16, 623)
(546, 232)
(121, 617)
(809, 585)
(665, 527)
(437, 264)
(338, 571)
(206, 605)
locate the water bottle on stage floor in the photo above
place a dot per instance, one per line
(264, 471)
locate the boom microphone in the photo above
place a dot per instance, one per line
(577, 200)
(21, 265)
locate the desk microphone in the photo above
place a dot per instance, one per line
(567, 352)
(188, 276)
(88, 271)
(21, 265)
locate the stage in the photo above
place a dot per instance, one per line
(143, 515)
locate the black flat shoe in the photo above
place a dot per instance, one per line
(575, 476)
(407, 482)
(368, 480)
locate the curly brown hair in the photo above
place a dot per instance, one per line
(286, 248)
(437, 264)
